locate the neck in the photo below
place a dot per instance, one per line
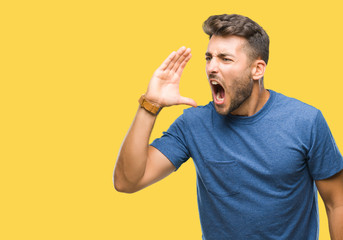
(255, 102)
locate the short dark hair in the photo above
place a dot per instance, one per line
(238, 25)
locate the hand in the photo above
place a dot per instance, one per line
(163, 88)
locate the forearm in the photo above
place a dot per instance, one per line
(335, 217)
(132, 158)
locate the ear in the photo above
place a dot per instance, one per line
(257, 71)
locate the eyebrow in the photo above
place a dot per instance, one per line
(221, 55)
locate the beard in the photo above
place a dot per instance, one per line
(241, 93)
(238, 93)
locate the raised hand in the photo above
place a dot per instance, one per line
(163, 88)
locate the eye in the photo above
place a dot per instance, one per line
(208, 58)
(227, 60)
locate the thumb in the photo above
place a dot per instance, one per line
(187, 101)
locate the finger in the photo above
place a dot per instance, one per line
(187, 101)
(183, 65)
(176, 58)
(181, 59)
(168, 60)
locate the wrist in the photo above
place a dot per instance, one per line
(149, 105)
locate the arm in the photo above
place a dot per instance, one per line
(331, 191)
(138, 164)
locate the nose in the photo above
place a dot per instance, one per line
(212, 65)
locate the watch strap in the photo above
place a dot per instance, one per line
(149, 106)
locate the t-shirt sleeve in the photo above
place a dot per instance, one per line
(324, 158)
(172, 144)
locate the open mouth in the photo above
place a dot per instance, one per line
(218, 92)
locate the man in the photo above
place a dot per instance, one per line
(259, 155)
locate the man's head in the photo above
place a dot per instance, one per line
(238, 25)
(236, 58)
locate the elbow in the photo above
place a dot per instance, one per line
(121, 182)
(121, 187)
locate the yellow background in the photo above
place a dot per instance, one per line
(71, 74)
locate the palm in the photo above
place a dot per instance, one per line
(164, 85)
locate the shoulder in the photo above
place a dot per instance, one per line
(289, 107)
(200, 111)
(199, 117)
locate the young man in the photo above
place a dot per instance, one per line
(259, 155)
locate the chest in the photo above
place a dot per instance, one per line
(267, 155)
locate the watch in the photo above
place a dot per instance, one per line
(151, 107)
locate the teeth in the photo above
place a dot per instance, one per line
(218, 97)
(214, 83)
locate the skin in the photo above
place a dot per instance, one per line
(228, 64)
(140, 165)
(331, 191)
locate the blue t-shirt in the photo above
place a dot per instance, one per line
(255, 175)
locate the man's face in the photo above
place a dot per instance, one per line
(228, 70)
